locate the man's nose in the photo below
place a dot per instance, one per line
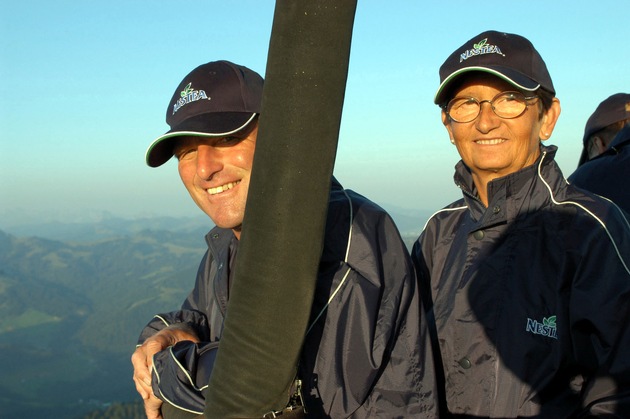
(208, 161)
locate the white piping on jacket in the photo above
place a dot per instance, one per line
(179, 365)
(343, 280)
(553, 199)
(165, 398)
(442, 210)
(157, 316)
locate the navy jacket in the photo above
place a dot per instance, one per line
(366, 353)
(530, 297)
(607, 174)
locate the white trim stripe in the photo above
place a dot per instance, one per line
(595, 217)
(343, 280)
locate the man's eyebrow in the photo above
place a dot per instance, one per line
(182, 143)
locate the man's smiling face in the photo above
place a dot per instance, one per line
(216, 172)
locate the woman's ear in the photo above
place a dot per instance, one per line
(445, 119)
(447, 123)
(549, 119)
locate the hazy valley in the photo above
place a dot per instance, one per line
(73, 298)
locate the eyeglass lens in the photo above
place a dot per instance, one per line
(505, 105)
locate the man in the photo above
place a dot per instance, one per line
(603, 125)
(365, 352)
(605, 159)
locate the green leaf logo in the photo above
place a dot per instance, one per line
(549, 321)
(480, 44)
(186, 90)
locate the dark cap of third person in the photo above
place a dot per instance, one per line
(613, 109)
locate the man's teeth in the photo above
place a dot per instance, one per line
(222, 188)
(490, 142)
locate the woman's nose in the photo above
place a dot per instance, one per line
(487, 119)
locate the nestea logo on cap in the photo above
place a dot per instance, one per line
(189, 95)
(480, 48)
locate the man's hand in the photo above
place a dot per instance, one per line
(142, 360)
(153, 407)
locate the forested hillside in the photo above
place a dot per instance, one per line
(70, 314)
(73, 298)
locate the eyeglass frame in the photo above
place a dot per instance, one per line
(445, 107)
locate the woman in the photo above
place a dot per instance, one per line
(528, 277)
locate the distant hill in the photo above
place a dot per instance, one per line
(106, 226)
(74, 296)
(70, 314)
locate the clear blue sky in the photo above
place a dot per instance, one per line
(85, 86)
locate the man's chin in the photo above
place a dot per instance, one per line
(236, 228)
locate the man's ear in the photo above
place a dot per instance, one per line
(596, 146)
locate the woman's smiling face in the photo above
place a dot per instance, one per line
(492, 146)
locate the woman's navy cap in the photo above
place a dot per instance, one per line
(507, 56)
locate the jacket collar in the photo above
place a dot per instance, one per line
(218, 240)
(622, 139)
(512, 195)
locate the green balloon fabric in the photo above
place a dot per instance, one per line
(282, 237)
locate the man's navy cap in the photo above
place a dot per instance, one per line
(216, 99)
(613, 109)
(507, 56)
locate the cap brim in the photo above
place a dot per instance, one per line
(207, 125)
(515, 78)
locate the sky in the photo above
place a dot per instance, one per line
(84, 87)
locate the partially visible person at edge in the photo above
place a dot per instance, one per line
(528, 277)
(605, 161)
(365, 350)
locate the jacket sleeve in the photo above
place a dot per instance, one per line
(600, 319)
(188, 319)
(181, 372)
(372, 342)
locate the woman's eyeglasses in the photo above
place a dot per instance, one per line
(506, 105)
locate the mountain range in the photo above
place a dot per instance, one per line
(71, 311)
(73, 298)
